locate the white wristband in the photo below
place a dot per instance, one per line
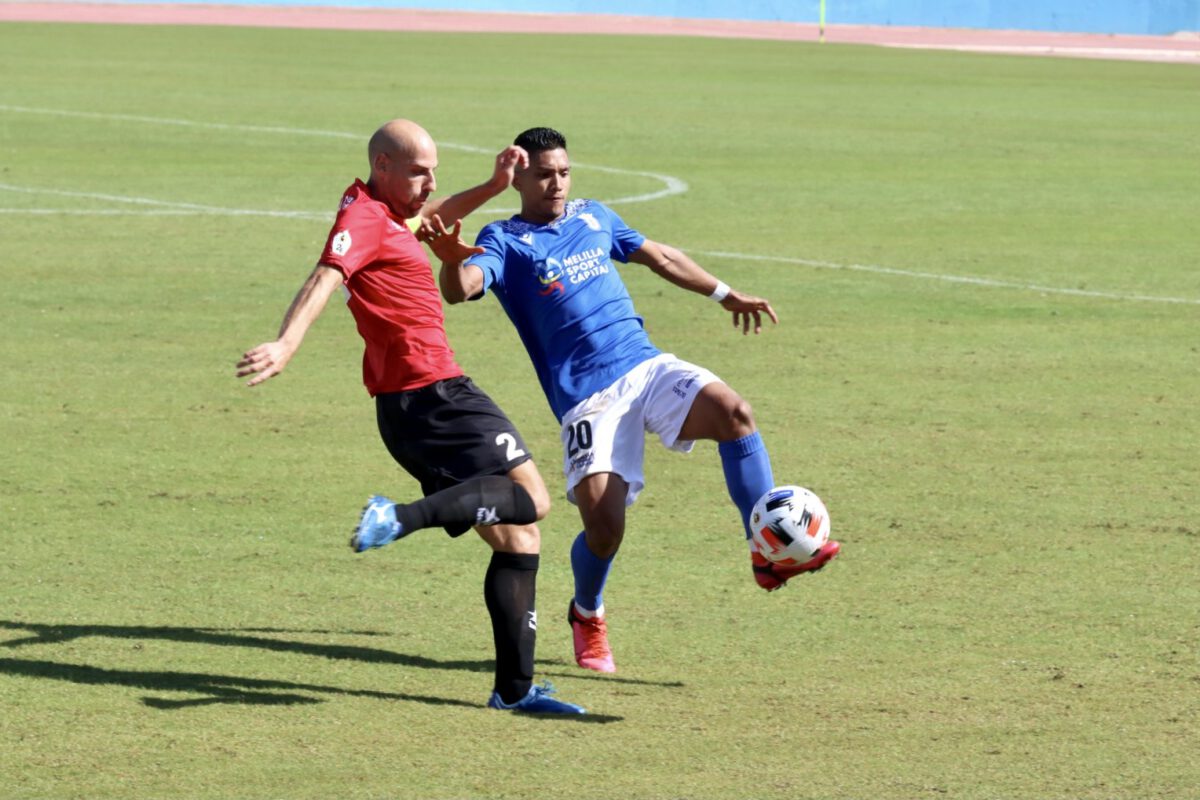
(719, 293)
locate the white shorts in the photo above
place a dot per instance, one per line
(607, 431)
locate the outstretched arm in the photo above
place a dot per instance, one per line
(269, 358)
(675, 266)
(457, 281)
(459, 205)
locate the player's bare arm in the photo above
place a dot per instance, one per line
(456, 280)
(269, 358)
(459, 205)
(675, 266)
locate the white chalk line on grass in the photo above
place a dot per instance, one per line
(672, 186)
(1139, 53)
(167, 208)
(990, 283)
(161, 207)
(99, 212)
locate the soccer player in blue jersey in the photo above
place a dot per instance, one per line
(551, 267)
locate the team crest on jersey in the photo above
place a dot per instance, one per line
(591, 221)
(346, 201)
(549, 272)
(340, 244)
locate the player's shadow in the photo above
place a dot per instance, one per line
(247, 637)
(225, 688)
(215, 688)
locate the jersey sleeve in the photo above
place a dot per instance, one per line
(491, 260)
(354, 240)
(625, 240)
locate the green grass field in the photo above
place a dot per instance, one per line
(987, 363)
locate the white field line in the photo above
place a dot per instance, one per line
(99, 212)
(159, 206)
(1134, 53)
(990, 283)
(671, 185)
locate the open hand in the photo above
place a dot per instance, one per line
(446, 244)
(265, 361)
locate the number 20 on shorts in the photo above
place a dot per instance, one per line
(579, 438)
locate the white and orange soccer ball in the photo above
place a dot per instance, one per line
(789, 524)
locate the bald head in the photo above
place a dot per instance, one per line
(400, 138)
(403, 159)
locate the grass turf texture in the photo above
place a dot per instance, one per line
(1012, 472)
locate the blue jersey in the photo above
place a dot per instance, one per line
(560, 288)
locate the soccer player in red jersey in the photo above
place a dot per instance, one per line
(472, 463)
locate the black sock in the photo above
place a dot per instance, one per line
(510, 591)
(488, 500)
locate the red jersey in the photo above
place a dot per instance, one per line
(393, 296)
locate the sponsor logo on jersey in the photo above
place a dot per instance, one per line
(549, 272)
(589, 264)
(341, 242)
(573, 269)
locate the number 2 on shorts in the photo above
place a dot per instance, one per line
(509, 441)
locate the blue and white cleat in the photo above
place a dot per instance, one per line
(377, 526)
(538, 701)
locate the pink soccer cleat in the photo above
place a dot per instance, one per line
(591, 642)
(771, 576)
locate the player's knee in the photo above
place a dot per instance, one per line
(541, 501)
(527, 477)
(604, 533)
(739, 419)
(603, 541)
(530, 502)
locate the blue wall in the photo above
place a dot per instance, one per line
(1083, 16)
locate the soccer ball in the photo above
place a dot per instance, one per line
(789, 524)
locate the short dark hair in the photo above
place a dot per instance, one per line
(538, 140)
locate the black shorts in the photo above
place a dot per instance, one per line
(448, 432)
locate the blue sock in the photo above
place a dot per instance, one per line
(747, 473)
(591, 572)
